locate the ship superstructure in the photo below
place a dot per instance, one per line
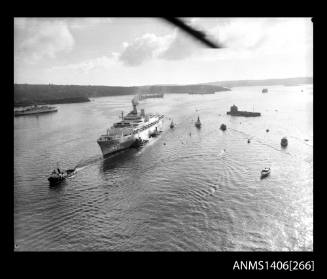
(134, 127)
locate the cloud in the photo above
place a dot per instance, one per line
(174, 46)
(181, 46)
(39, 38)
(82, 22)
(142, 49)
(264, 34)
(85, 67)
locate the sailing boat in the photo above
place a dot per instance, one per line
(198, 123)
(172, 125)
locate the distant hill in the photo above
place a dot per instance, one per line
(263, 82)
(27, 94)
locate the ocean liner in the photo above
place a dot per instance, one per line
(35, 110)
(133, 128)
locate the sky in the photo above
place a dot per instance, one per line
(146, 51)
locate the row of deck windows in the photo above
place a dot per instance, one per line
(146, 127)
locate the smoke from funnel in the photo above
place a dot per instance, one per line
(135, 100)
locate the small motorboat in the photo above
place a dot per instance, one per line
(58, 175)
(249, 141)
(223, 127)
(265, 172)
(267, 130)
(284, 142)
(198, 123)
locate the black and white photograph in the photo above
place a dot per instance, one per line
(163, 134)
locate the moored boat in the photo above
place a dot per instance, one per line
(172, 125)
(265, 172)
(284, 142)
(223, 127)
(198, 123)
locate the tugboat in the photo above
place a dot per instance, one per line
(223, 127)
(265, 172)
(284, 142)
(198, 123)
(58, 175)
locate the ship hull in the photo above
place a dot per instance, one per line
(113, 147)
(244, 113)
(17, 113)
(146, 134)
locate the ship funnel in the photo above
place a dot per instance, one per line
(142, 113)
(134, 103)
(134, 109)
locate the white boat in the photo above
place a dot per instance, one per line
(135, 128)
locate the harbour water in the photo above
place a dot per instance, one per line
(187, 190)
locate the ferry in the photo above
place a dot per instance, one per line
(235, 112)
(133, 129)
